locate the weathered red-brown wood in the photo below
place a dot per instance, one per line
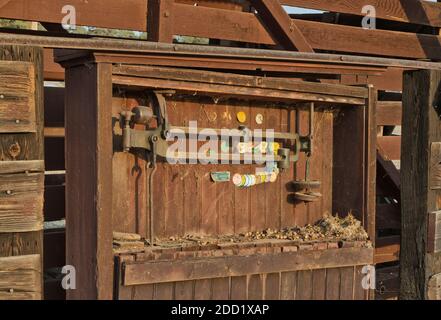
(89, 180)
(159, 20)
(282, 28)
(194, 269)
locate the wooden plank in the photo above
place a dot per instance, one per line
(321, 36)
(387, 249)
(420, 129)
(389, 113)
(220, 288)
(417, 12)
(346, 283)
(239, 288)
(319, 284)
(370, 164)
(240, 80)
(434, 232)
(272, 286)
(202, 289)
(332, 284)
(217, 89)
(304, 285)
(97, 13)
(217, 267)
(10, 167)
(280, 25)
(17, 97)
(20, 277)
(21, 202)
(22, 243)
(159, 20)
(288, 285)
(184, 290)
(256, 287)
(390, 146)
(89, 175)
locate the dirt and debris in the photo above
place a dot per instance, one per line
(330, 228)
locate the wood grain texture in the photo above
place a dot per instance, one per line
(418, 12)
(21, 202)
(20, 278)
(420, 129)
(24, 152)
(194, 269)
(434, 232)
(89, 180)
(17, 97)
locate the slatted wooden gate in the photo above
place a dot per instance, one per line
(21, 172)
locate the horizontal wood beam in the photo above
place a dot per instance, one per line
(240, 80)
(391, 147)
(411, 11)
(387, 249)
(389, 113)
(232, 25)
(280, 25)
(20, 278)
(231, 91)
(125, 15)
(230, 266)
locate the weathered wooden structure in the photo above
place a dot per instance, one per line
(21, 172)
(406, 31)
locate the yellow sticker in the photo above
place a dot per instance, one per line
(241, 117)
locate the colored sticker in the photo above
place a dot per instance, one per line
(241, 117)
(223, 176)
(237, 179)
(259, 118)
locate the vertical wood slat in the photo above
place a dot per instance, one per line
(304, 285)
(160, 20)
(20, 147)
(421, 129)
(89, 175)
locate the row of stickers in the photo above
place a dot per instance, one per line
(246, 180)
(251, 147)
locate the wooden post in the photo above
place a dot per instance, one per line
(420, 181)
(89, 179)
(21, 171)
(160, 20)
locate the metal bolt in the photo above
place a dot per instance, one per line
(17, 121)
(8, 192)
(11, 290)
(2, 96)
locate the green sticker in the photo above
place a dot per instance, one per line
(220, 176)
